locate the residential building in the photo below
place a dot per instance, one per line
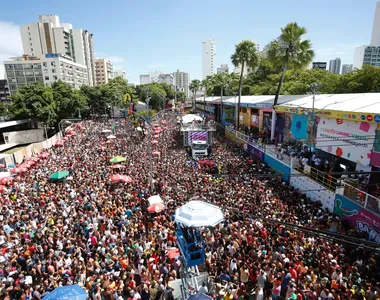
(208, 58)
(166, 78)
(117, 73)
(182, 82)
(4, 90)
(320, 65)
(335, 66)
(367, 55)
(46, 69)
(103, 70)
(223, 69)
(375, 37)
(347, 68)
(49, 36)
(145, 79)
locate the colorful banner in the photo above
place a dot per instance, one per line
(298, 127)
(375, 155)
(197, 136)
(360, 218)
(335, 114)
(347, 139)
(255, 152)
(255, 120)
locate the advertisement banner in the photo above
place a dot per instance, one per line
(375, 156)
(298, 127)
(255, 120)
(347, 139)
(360, 218)
(255, 152)
(261, 116)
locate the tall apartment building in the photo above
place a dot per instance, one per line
(145, 79)
(223, 69)
(21, 71)
(375, 37)
(367, 55)
(166, 78)
(49, 36)
(182, 82)
(208, 58)
(117, 73)
(347, 68)
(103, 70)
(320, 65)
(335, 66)
(4, 90)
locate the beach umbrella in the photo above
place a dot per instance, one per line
(154, 142)
(156, 208)
(155, 199)
(73, 133)
(106, 131)
(111, 137)
(118, 159)
(43, 155)
(173, 253)
(139, 129)
(121, 178)
(118, 166)
(156, 136)
(59, 143)
(6, 180)
(198, 213)
(67, 292)
(60, 175)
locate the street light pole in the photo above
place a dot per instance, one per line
(314, 91)
(149, 140)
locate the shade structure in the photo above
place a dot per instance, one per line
(60, 175)
(154, 142)
(6, 180)
(117, 159)
(156, 208)
(121, 178)
(173, 253)
(67, 292)
(155, 200)
(111, 137)
(198, 213)
(118, 166)
(106, 131)
(199, 296)
(59, 143)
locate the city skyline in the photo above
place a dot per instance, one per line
(150, 48)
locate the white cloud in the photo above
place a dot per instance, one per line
(10, 43)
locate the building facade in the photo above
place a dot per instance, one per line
(347, 68)
(166, 78)
(335, 66)
(367, 55)
(375, 37)
(208, 58)
(49, 36)
(145, 79)
(182, 82)
(103, 70)
(121, 73)
(223, 69)
(4, 90)
(21, 71)
(320, 65)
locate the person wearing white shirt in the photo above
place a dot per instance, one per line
(203, 289)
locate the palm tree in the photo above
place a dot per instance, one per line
(222, 81)
(194, 88)
(206, 85)
(290, 50)
(245, 55)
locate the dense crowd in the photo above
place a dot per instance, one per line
(89, 231)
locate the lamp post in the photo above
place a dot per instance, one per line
(313, 87)
(149, 140)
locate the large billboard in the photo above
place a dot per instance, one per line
(352, 140)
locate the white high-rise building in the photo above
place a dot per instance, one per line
(49, 36)
(375, 37)
(103, 70)
(335, 66)
(367, 55)
(166, 78)
(145, 79)
(223, 69)
(48, 68)
(182, 82)
(347, 68)
(117, 73)
(208, 58)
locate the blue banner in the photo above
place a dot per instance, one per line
(298, 128)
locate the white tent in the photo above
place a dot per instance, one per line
(156, 199)
(190, 118)
(198, 213)
(111, 137)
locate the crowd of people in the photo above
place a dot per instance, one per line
(90, 231)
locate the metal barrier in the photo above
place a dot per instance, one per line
(328, 181)
(364, 199)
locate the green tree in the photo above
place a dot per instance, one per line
(206, 85)
(245, 54)
(365, 80)
(224, 82)
(34, 101)
(121, 88)
(157, 95)
(194, 87)
(3, 109)
(290, 50)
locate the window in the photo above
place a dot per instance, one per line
(46, 71)
(53, 70)
(30, 39)
(52, 63)
(44, 64)
(47, 78)
(31, 49)
(55, 77)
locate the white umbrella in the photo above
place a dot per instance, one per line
(106, 131)
(156, 199)
(111, 137)
(139, 129)
(198, 213)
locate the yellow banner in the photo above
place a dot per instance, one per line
(336, 114)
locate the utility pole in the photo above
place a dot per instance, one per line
(313, 87)
(149, 140)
